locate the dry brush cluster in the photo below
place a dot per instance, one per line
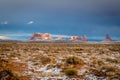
(72, 58)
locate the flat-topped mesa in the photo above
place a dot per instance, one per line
(73, 38)
(59, 38)
(46, 36)
(36, 36)
(40, 36)
(78, 38)
(107, 38)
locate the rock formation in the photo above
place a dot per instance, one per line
(75, 38)
(46, 36)
(59, 38)
(40, 36)
(78, 38)
(84, 38)
(107, 38)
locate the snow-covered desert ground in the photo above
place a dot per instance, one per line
(43, 61)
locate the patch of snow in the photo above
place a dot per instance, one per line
(52, 70)
(91, 77)
(82, 71)
(41, 51)
(43, 68)
(16, 59)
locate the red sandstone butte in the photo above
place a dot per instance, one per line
(84, 38)
(40, 36)
(75, 38)
(107, 38)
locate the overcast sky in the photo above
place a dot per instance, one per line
(95, 18)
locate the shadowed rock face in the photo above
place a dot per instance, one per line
(40, 36)
(107, 38)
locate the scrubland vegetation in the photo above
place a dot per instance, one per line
(25, 61)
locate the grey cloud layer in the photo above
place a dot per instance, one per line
(111, 7)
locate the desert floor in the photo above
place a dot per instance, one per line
(37, 60)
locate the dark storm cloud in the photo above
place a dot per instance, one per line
(107, 7)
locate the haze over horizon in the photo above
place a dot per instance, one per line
(19, 19)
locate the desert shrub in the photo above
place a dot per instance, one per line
(74, 60)
(97, 72)
(109, 68)
(7, 75)
(6, 49)
(13, 54)
(112, 60)
(71, 72)
(98, 62)
(45, 60)
(32, 70)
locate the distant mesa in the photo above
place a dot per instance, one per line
(46, 36)
(84, 38)
(75, 38)
(107, 38)
(78, 38)
(59, 38)
(40, 36)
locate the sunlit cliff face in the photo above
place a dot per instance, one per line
(75, 38)
(47, 36)
(40, 36)
(84, 38)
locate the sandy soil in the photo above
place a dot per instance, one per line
(34, 60)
